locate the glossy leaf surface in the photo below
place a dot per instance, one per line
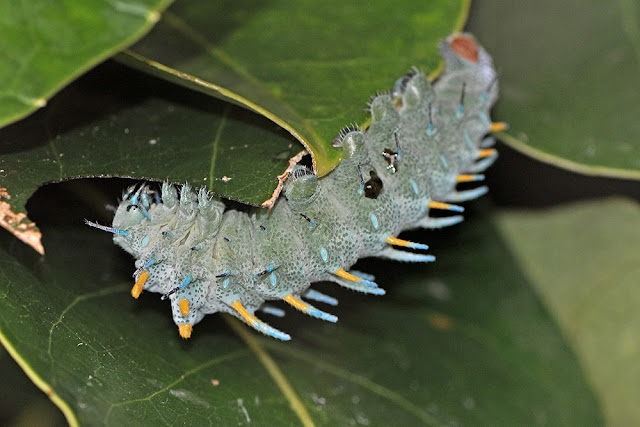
(309, 66)
(570, 73)
(47, 44)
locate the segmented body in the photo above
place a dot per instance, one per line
(421, 142)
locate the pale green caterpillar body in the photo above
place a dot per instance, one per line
(422, 141)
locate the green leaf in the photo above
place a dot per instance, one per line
(584, 262)
(117, 122)
(569, 79)
(309, 66)
(47, 44)
(462, 341)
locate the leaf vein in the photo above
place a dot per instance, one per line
(216, 141)
(273, 370)
(225, 358)
(363, 382)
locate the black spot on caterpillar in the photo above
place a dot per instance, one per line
(423, 139)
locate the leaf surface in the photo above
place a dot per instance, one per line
(569, 74)
(309, 66)
(584, 262)
(118, 122)
(47, 44)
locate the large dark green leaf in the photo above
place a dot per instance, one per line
(116, 122)
(309, 66)
(570, 73)
(45, 44)
(584, 261)
(462, 341)
(135, 126)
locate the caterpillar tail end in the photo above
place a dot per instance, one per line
(258, 324)
(465, 46)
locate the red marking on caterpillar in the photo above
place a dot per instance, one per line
(466, 47)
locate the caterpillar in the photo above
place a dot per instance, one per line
(422, 141)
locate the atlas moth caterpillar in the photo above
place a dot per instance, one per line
(422, 141)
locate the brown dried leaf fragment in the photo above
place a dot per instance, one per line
(18, 224)
(283, 178)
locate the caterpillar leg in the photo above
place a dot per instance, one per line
(353, 278)
(357, 286)
(274, 311)
(465, 195)
(397, 255)
(445, 206)
(137, 288)
(440, 222)
(258, 324)
(405, 243)
(309, 309)
(487, 152)
(488, 142)
(484, 163)
(499, 127)
(320, 297)
(469, 178)
(362, 275)
(144, 266)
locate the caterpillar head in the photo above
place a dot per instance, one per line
(132, 210)
(131, 213)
